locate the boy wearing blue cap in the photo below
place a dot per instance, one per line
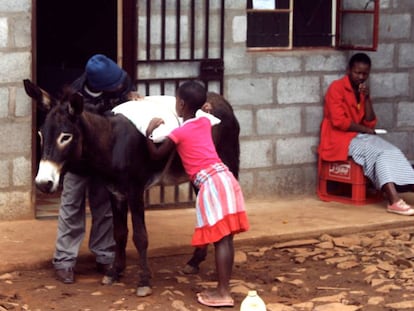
(104, 85)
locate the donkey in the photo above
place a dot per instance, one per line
(112, 148)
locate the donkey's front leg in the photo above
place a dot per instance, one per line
(120, 221)
(140, 238)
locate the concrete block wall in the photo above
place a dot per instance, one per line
(16, 190)
(278, 98)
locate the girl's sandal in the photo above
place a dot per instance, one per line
(214, 301)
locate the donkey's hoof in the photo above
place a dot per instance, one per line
(190, 269)
(144, 291)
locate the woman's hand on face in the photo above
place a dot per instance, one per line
(363, 89)
(154, 123)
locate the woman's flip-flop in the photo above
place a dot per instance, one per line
(214, 302)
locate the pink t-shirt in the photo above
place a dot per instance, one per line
(195, 145)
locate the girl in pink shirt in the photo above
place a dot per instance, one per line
(220, 207)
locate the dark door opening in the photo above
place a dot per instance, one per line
(68, 33)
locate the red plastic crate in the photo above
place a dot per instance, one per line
(344, 181)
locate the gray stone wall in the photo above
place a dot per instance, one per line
(16, 190)
(278, 98)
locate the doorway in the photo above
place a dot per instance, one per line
(67, 34)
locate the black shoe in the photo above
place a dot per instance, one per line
(65, 275)
(103, 268)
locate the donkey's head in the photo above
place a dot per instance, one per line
(60, 134)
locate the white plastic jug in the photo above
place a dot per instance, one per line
(253, 302)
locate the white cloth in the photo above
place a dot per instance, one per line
(141, 112)
(213, 120)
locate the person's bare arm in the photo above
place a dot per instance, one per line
(369, 109)
(354, 127)
(158, 151)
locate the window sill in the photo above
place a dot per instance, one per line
(294, 50)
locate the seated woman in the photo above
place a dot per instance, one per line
(348, 130)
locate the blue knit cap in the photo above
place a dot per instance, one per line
(103, 74)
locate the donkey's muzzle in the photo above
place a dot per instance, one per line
(45, 187)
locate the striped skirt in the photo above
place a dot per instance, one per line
(381, 161)
(220, 208)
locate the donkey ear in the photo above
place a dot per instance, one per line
(43, 99)
(75, 104)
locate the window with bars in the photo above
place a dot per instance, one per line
(290, 24)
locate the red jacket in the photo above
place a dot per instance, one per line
(340, 109)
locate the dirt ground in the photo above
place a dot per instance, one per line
(370, 272)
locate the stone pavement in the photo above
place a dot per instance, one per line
(29, 244)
